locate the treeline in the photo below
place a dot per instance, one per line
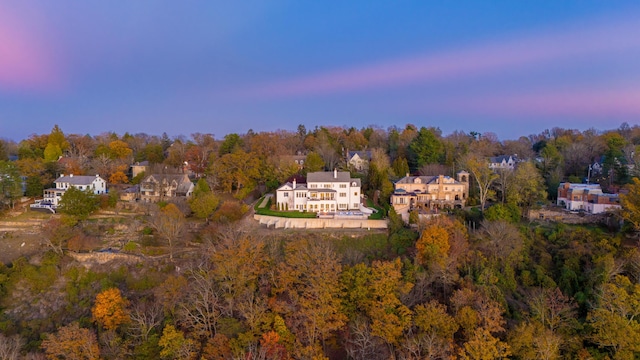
(242, 163)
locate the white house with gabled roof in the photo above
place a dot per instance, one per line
(52, 196)
(323, 192)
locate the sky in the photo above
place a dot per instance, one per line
(513, 68)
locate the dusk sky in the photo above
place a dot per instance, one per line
(509, 67)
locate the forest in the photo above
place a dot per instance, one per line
(198, 278)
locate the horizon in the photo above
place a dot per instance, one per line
(513, 69)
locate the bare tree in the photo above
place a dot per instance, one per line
(483, 175)
(170, 224)
(145, 317)
(10, 347)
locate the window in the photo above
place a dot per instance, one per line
(327, 186)
(355, 205)
(343, 194)
(355, 193)
(313, 186)
(343, 186)
(286, 194)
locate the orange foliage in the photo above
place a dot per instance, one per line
(110, 309)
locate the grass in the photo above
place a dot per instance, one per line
(376, 215)
(286, 214)
(370, 244)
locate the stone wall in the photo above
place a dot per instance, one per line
(98, 258)
(312, 223)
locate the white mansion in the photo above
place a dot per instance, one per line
(323, 192)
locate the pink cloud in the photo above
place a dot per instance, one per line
(569, 44)
(571, 103)
(26, 61)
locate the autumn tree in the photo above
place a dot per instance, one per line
(379, 170)
(375, 292)
(527, 187)
(56, 234)
(313, 162)
(175, 345)
(433, 246)
(237, 170)
(483, 176)
(309, 278)
(203, 202)
(170, 224)
(614, 319)
(56, 144)
(71, 342)
(630, 203)
(110, 309)
(433, 338)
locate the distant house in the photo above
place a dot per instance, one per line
(586, 197)
(359, 160)
(156, 187)
(503, 162)
(323, 192)
(130, 194)
(430, 192)
(52, 196)
(298, 159)
(139, 167)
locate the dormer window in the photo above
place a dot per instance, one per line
(417, 181)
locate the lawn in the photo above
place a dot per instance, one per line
(286, 214)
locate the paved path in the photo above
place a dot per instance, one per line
(265, 201)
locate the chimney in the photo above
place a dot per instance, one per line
(61, 175)
(335, 173)
(294, 183)
(70, 175)
(407, 175)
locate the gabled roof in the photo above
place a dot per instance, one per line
(289, 186)
(425, 180)
(361, 154)
(179, 178)
(78, 179)
(501, 158)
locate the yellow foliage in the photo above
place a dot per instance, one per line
(118, 177)
(110, 309)
(433, 245)
(71, 342)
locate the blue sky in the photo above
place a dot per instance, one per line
(509, 67)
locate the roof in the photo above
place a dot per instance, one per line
(424, 180)
(501, 158)
(361, 154)
(179, 178)
(328, 176)
(77, 180)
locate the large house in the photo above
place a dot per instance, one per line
(504, 162)
(156, 187)
(323, 192)
(586, 197)
(359, 160)
(430, 192)
(52, 196)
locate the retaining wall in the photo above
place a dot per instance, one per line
(305, 223)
